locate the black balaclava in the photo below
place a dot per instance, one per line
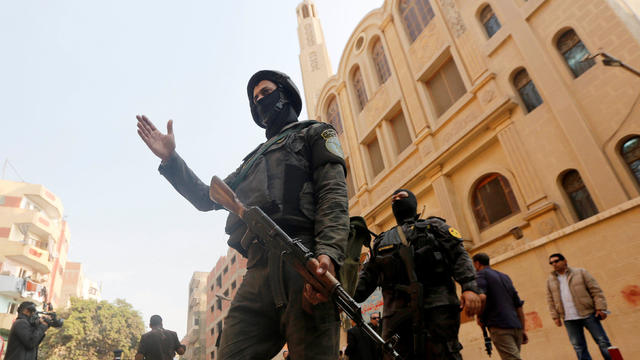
(405, 209)
(275, 111)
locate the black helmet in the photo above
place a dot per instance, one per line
(284, 83)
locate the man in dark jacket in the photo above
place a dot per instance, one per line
(360, 346)
(503, 314)
(159, 343)
(26, 334)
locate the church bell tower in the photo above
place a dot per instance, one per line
(314, 59)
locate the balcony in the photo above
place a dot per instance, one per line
(34, 221)
(26, 254)
(6, 320)
(21, 290)
(194, 301)
(36, 193)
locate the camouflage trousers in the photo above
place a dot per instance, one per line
(267, 311)
(440, 334)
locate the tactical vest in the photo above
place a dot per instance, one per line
(279, 181)
(431, 243)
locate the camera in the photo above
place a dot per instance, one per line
(52, 320)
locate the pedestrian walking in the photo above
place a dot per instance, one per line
(503, 312)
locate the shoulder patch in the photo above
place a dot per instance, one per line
(455, 233)
(332, 143)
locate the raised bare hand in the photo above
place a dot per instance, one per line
(162, 145)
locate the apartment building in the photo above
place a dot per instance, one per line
(76, 284)
(195, 339)
(34, 241)
(222, 284)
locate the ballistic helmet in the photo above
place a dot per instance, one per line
(284, 83)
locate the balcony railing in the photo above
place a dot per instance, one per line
(26, 254)
(22, 289)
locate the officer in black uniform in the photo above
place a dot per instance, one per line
(297, 177)
(415, 264)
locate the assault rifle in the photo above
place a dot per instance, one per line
(296, 255)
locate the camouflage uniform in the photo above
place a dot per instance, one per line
(438, 256)
(299, 181)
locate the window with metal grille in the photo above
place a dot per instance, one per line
(333, 115)
(400, 132)
(358, 86)
(630, 152)
(375, 157)
(527, 90)
(445, 87)
(493, 200)
(489, 21)
(579, 195)
(380, 62)
(416, 15)
(574, 51)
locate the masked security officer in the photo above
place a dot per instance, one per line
(297, 177)
(414, 263)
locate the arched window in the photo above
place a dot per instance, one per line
(574, 51)
(358, 85)
(493, 200)
(380, 62)
(416, 15)
(527, 90)
(579, 195)
(630, 152)
(305, 11)
(490, 21)
(333, 115)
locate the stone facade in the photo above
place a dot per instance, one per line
(492, 119)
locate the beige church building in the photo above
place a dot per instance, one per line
(502, 118)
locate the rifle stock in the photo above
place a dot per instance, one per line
(298, 256)
(221, 193)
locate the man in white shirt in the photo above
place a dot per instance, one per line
(575, 297)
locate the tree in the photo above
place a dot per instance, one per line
(92, 330)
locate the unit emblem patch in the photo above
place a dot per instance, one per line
(332, 143)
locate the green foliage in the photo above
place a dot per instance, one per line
(92, 330)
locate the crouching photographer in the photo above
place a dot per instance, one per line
(27, 332)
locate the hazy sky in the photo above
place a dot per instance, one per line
(73, 75)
